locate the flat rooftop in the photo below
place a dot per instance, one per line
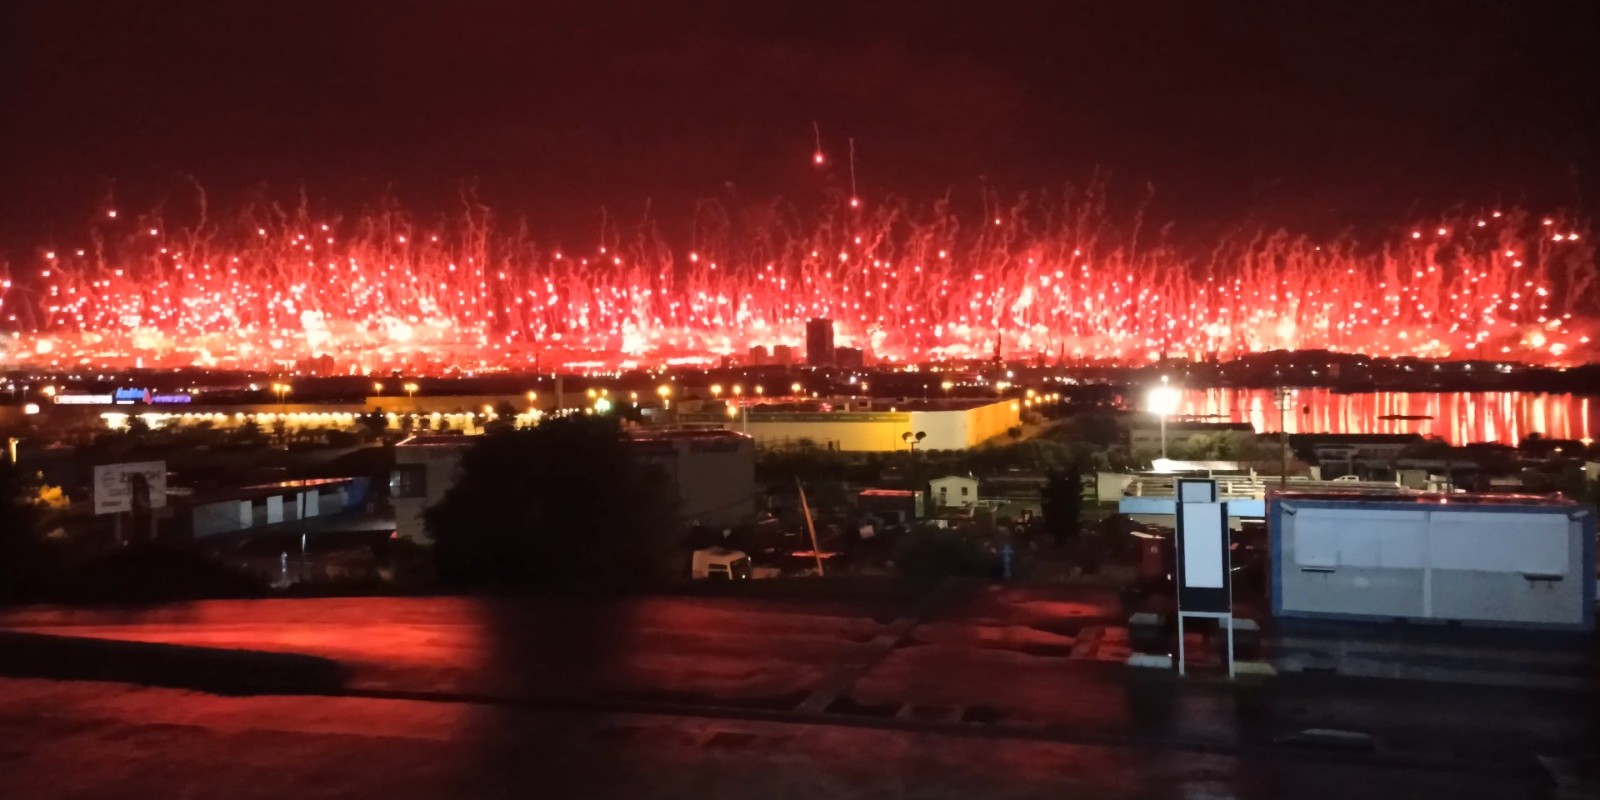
(435, 440)
(680, 434)
(880, 405)
(1434, 498)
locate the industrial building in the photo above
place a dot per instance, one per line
(871, 426)
(712, 474)
(819, 342)
(899, 506)
(259, 506)
(1475, 559)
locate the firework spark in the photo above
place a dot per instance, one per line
(268, 288)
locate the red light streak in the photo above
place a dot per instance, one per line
(384, 290)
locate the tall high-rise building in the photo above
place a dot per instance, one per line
(757, 356)
(819, 342)
(782, 354)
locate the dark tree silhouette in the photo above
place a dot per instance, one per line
(22, 554)
(505, 417)
(562, 505)
(375, 421)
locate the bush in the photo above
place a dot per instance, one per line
(934, 553)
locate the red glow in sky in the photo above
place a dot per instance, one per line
(385, 290)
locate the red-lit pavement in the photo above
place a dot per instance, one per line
(92, 740)
(672, 695)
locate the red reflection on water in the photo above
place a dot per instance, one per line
(1456, 417)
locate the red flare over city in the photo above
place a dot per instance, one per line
(267, 289)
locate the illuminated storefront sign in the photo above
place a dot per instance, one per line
(83, 399)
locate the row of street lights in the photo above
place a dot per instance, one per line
(410, 389)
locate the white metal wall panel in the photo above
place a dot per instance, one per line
(1388, 539)
(1500, 542)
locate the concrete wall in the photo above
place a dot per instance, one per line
(1109, 486)
(715, 478)
(882, 431)
(223, 516)
(441, 466)
(229, 515)
(870, 432)
(1488, 564)
(992, 421)
(947, 490)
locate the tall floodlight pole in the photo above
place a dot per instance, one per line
(1163, 401)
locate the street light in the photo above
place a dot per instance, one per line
(411, 390)
(1163, 402)
(282, 389)
(377, 389)
(744, 410)
(665, 393)
(794, 388)
(716, 390)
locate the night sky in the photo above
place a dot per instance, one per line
(1313, 114)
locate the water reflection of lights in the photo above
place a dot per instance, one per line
(1458, 418)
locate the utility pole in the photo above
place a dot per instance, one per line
(1284, 397)
(810, 528)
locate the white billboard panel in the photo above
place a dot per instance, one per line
(1203, 545)
(115, 485)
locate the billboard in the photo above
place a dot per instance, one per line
(125, 487)
(1204, 562)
